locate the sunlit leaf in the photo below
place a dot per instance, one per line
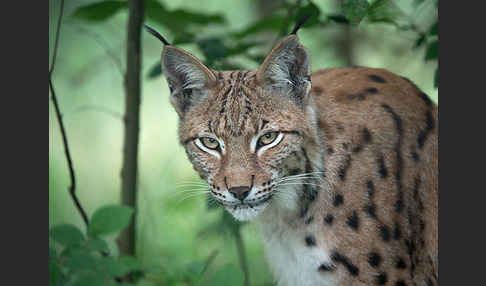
(66, 234)
(110, 219)
(99, 11)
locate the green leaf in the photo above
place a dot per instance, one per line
(420, 41)
(78, 258)
(109, 219)
(384, 11)
(434, 30)
(119, 267)
(97, 244)
(99, 11)
(272, 23)
(212, 48)
(354, 10)
(337, 18)
(155, 70)
(432, 52)
(227, 275)
(178, 21)
(90, 278)
(66, 234)
(436, 78)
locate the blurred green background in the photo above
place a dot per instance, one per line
(171, 232)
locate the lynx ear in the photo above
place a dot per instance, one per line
(189, 80)
(287, 69)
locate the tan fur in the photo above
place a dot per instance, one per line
(370, 134)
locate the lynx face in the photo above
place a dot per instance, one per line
(245, 131)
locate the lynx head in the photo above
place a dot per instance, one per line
(246, 132)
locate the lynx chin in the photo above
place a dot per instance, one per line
(339, 166)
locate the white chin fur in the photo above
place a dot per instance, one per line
(245, 213)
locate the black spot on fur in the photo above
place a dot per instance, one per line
(325, 267)
(382, 170)
(401, 264)
(330, 150)
(429, 126)
(366, 135)
(339, 258)
(357, 148)
(338, 200)
(385, 233)
(410, 244)
(372, 90)
(374, 259)
(371, 188)
(429, 282)
(353, 220)
(310, 240)
(344, 168)
(425, 98)
(376, 78)
(381, 279)
(415, 156)
(329, 219)
(371, 210)
(400, 283)
(399, 202)
(309, 220)
(397, 233)
(304, 209)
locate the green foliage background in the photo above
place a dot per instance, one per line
(177, 236)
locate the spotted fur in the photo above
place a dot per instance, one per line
(348, 195)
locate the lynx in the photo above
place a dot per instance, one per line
(339, 166)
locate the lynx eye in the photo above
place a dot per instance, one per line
(209, 142)
(267, 138)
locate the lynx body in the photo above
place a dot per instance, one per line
(339, 166)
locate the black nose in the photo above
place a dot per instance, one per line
(240, 192)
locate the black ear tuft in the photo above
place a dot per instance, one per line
(299, 23)
(157, 35)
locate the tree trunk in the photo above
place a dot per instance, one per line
(126, 241)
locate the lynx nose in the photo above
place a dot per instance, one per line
(240, 192)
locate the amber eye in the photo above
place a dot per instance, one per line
(209, 142)
(267, 138)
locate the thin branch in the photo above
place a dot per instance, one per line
(56, 42)
(72, 187)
